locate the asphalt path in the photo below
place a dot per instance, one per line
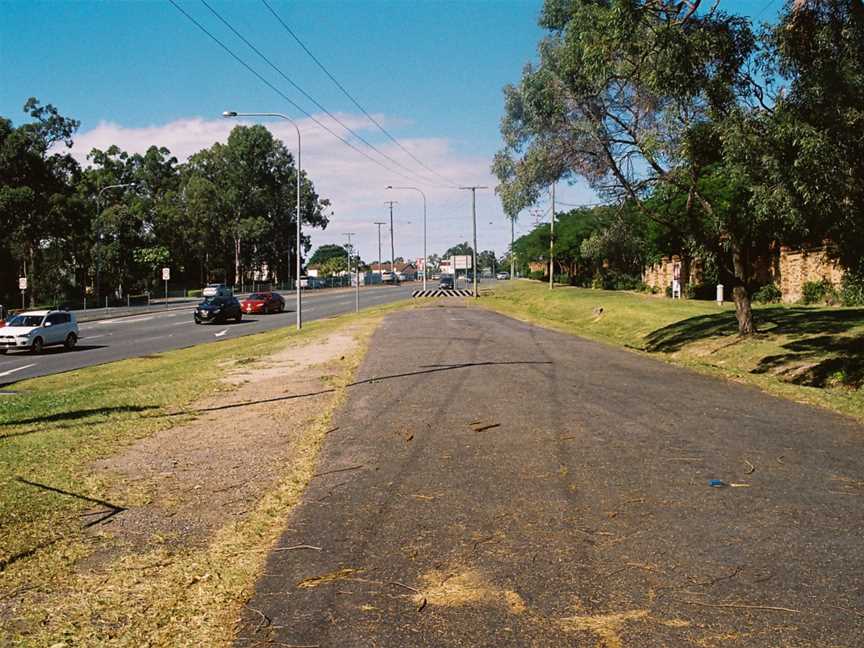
(491, 483)
(125, 337)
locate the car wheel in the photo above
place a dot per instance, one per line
(239, 317)
(3, 351)
(37, 345)
(71, 341)
(282, 307)
(197, 321)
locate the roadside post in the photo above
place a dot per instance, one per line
(22, 286)
(166, 276)
(719, 294)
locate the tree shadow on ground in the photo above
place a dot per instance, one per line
(819, 354)
(73, 415)
(795, 321)
(807, 364)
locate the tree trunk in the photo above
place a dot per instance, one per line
(743, 310)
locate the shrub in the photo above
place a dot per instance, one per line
(194, 293)
(852, 290)
(818, 292)
(768, 294)
(539, 275)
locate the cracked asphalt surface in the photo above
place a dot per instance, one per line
(492, 483)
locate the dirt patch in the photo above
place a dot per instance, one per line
(188, 481)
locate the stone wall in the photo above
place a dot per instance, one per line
(797, 267)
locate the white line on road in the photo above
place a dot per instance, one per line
(11, 371)
(126, 320)
(220, 333)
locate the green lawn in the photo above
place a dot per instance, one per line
(810, 354)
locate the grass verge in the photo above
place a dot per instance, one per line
(808, 354)
(59, 425)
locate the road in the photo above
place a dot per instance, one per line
(491, 483)
(124, 337)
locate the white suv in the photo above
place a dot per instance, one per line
(37, 329)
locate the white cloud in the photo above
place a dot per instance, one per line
(354, 184)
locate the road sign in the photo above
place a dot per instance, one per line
(421, 263)
(166, 274)
(22, 283)
(462, 262)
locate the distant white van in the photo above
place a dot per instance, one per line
(217, 290)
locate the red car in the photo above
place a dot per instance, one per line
(263, 302)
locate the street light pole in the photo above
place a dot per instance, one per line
(512, 252)
(552, 243)
(425, 256)
(98, 212)
(473, 191)
(233, 113)
(392, 244)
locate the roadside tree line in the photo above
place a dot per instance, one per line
(106, 229)
(728, 137)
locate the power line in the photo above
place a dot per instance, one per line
(299, 89)
(348, 94)
(282, 94)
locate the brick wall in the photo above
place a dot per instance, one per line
(659, 275)
(797, 267)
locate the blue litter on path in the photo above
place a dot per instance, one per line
(717, 483)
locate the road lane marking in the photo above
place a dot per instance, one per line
(11, 371)
(126, 320)
(220, 333)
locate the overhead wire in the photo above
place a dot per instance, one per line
(299, 108)
(351, 97)
(312, 99)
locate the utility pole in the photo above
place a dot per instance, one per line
(552, 243)
(425, 253)
(380, 262)
(392, 244)
(473, 191)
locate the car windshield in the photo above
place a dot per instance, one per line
(213, 300)
(257, 297)
(26, 320)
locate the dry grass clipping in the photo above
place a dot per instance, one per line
(467, 588)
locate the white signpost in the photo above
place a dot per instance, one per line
(166, 276)
(22, 286)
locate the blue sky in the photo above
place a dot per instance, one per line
(138, 73)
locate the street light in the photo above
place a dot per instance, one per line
(425, 258)
(98, 212)
(233, 113)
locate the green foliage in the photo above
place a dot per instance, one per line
(230, 210)
(537, 275)
(818, 292)
(328, 251)
(852, 290)
(768, 294)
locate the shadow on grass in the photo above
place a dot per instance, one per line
(818, 354)
(74, 415)
(781, 321)
(822, 361)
